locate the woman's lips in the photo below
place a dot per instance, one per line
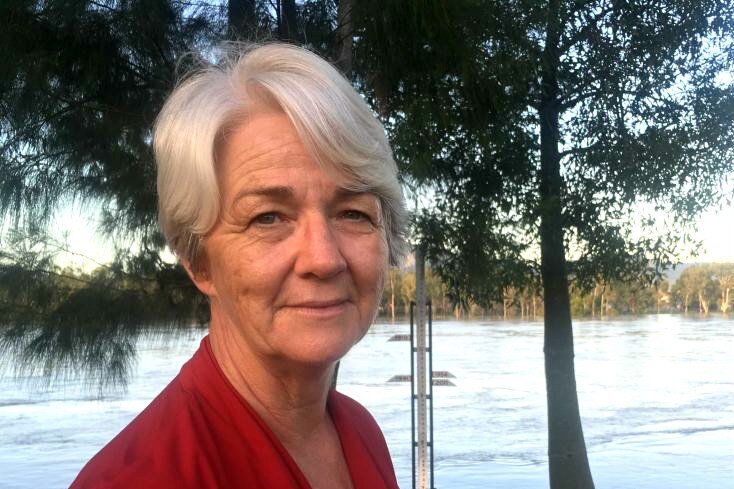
(319, 308)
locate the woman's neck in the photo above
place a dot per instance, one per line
(290, 398)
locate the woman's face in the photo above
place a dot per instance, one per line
(295, 261)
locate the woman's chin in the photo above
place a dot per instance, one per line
(321, 357)
(320, 343)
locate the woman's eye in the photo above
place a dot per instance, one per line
(266, 219)
(354, 215)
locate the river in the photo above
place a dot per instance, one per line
(656, 396)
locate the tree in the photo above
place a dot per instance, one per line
(407, 290)
(436, 292)
(697, 283)
(79, 90)
(393, 287)
(724, 274)
(80, 86)
(631, 298)
(634, 124)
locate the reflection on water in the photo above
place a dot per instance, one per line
(656, 394)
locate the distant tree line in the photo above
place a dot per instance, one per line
(32, 284)
(701, 288)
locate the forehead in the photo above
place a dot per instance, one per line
(267, 150)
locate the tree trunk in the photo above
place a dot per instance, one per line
(593, 303)
(392, 296)
(241, 19)
(685, 306)
(288, 22)
(344, 37)
(703, 304)
(725, 299)
(522, 307)
(567, 458)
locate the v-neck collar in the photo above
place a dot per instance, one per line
(209, 379)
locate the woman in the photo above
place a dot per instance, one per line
(279, 194)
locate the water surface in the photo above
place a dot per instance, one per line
(656, 396)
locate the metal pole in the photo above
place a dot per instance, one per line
(430, 379)
(420, 292)
(412, 392)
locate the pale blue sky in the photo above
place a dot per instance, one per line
(715, 230)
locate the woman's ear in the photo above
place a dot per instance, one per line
(199, 274)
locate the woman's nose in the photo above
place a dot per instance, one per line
(319, 252)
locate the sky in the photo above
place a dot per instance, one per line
(715, 230)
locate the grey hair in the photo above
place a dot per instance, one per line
(334, 123)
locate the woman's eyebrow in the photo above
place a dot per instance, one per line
(280, 193)
(346, 193)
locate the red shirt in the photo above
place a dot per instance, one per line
(200, 433)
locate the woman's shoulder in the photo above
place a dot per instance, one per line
(142, 454)
(349, 407)
(349, 413)
(362, 438)
(157, 446)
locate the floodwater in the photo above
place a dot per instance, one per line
(656, 396)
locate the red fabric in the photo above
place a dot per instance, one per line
(200, 433)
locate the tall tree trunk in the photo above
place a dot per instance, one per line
(522, 306)
(723, 306)
(288, 22)
(567, 459)
(392, 296)
(344, 37)
(593, 303)
(241, 19)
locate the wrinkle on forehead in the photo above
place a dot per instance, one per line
(276, 144)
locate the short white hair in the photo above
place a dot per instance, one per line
(334, 123)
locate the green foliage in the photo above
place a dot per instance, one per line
(700, 287)
(723, 274)
(80, 86)
(63, 323)
(458, 128)
(646, 129)
(633, 107)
